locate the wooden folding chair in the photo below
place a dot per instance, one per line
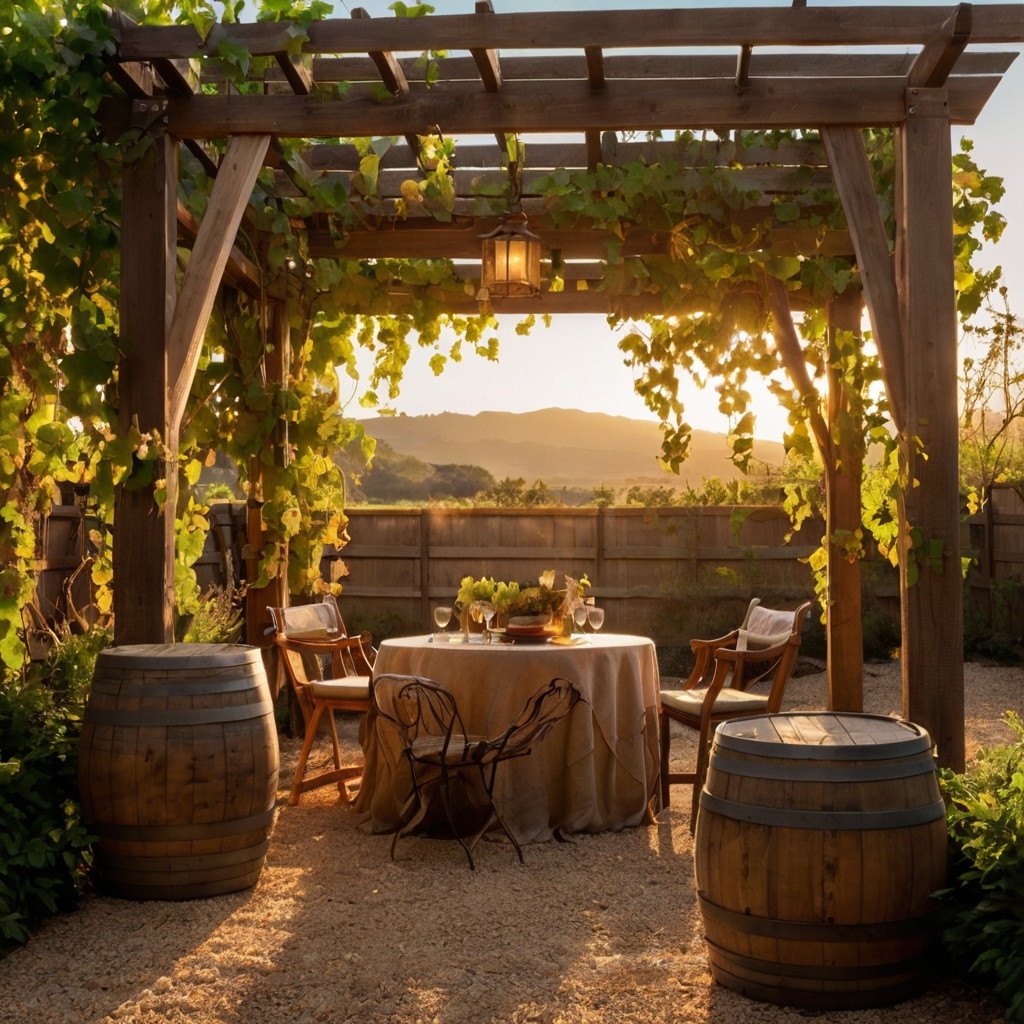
(766, 645)
(307, 636)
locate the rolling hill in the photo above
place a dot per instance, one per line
(563, 447)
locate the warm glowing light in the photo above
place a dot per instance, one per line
(510, 260)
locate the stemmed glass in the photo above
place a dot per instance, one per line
(487, 612)
(442, 616)
(579, 614)
(595, 616)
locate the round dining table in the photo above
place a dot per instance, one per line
(598, 769)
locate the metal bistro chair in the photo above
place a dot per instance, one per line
(434, 739)
(306, 637)
(765, 645)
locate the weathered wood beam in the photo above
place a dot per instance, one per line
(180, 75)
(296, 74)
(408, 241)
(656, 65)
(574, 30)
(144, 542)
(488, 63)
(388, 68)
(769, 181)
(204, 158)
(932, 605)
(137, 78)
(240, 272)
(938, 57)
(568, 301)
(743, 67)
(230, 196)
(843, 615)
(529, 106)
(806, 153)
(852, 173)
(595, 67)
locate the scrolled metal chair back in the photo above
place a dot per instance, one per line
(545, 709)
(418, 707)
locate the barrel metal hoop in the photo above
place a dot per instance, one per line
(185, 687)
(821, 972)
(813, 931)
(921, 764)
(182, 833)
(155, 718)
(195, 862)
(828, 821)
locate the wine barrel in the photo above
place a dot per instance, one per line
(178, 769)
(819, 841)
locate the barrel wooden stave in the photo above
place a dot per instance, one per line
(778, 893)
(180, 795)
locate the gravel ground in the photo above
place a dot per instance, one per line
(601, 929)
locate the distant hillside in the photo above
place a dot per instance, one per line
(563, 447)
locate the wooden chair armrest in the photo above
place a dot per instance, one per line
(729, 638)
(764, 654)
(325, 646)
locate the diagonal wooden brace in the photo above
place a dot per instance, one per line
(844, 147)
(231, 190)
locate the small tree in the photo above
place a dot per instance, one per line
(992, 418)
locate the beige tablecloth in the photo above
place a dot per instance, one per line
(598, 769)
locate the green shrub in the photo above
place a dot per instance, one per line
(217, 619)
(983, 928)
(44, 849)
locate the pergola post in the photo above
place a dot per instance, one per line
(143, 550)
(843, 480)
(932, 606)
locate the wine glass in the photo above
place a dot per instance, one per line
(595, 616)
(579, 614)
(487, 612)
(442, 616)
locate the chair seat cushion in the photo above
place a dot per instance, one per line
(690, 702)
(428, 748)
(349, 688)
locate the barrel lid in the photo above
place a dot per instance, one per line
(183, 657)
(823, 736)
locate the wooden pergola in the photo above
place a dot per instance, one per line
(589, 91)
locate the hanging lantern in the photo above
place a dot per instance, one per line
(510, 261)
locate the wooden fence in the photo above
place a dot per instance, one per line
(665, 572)
(645, 563)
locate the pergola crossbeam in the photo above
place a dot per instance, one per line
(547, 155)
(575, 30)
(570, 107)
(654, 66)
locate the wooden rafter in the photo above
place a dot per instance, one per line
(769, 181)
(574, 30)
(940, 55)
(566, 107)
(462, 242)
(546, 155)
(488, 62)
(657, 66)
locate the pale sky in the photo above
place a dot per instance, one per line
(575, 362)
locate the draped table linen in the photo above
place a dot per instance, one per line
(598, 769)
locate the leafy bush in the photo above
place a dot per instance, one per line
(44, 849)
(217, 618)
(984, 910)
